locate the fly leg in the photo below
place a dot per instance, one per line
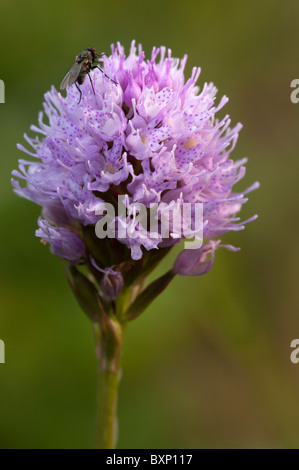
(91, 82)
(79, 92)
(97, 67)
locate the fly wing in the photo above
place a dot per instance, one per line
(71, 76)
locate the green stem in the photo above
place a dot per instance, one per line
(109, 350)
(107, 408)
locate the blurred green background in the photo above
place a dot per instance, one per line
(208, 364)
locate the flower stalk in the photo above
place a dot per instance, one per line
(109, 352)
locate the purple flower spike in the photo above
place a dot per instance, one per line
(63, 242)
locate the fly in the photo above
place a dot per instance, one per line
(85, 62)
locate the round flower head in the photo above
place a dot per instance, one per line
(152, 138)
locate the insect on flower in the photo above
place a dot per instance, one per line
(83, 65)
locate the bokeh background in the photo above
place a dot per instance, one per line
(208, 364)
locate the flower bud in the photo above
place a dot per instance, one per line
(196, 262)
(111, 283)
